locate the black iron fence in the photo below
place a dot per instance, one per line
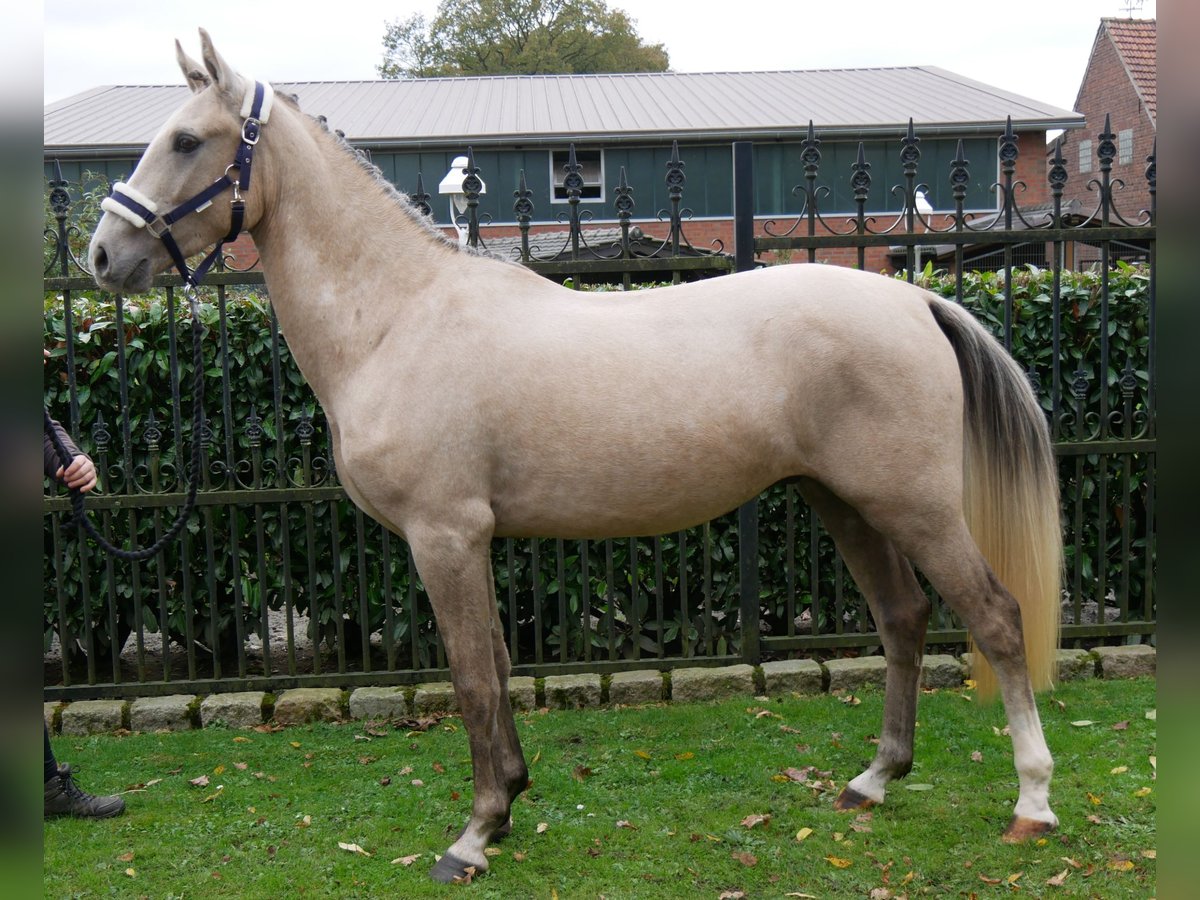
(278, 581)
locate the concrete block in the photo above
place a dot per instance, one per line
(712, 684)
(939, 670)
(572, 691)
(855, 674)
(171, 713)
(799, 676)
(238, 709)
(378, 703)
(1130, 661)
(522, 692)
(636, 687)
(1075, 664)
(299, 706)
(92, 716)
(434, 697)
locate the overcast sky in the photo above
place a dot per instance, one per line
(1042, 54)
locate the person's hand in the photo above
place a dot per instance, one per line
(80, 474)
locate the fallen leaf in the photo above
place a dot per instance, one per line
(1120, 865)
(518, 856)
(492, 851)
(641, 754)
(1142, 792)
(1074, 864)
(839, 862)
(803, 833)
(976, 756)
(1083, 723)
(919, 787)
(439, 768)
(536, 757)
(125, 857)
(219, 770)
(756, 819)
(850, 700)
(731, 895)
(295, 744)
(686, 755)
(1057, 880)
(241, 766)
(1120, 726)
(304, 822)
(1149, 854)
(417, 782)
(385, 781)
(1096, 801)
(1014, 878)
(542, 826)
(798, 894)
(621, 823)
(1152, 714)
(580, 773)
(353, 848)
(880, 893)
(407, 770)
(214, 795)
(1119, 770)
(745, 858)
(986, 880)
(365, 760)
(131, 872)
(1095, 820)
(406, 860)
(201, 781)
(465, 878)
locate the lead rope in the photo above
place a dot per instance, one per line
(65, 456)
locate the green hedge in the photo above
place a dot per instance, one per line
(243, 385)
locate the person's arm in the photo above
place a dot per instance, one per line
(80, 474)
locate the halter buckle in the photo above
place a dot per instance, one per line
(251, 131)
(157, 227)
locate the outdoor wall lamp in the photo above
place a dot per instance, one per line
(452, 185)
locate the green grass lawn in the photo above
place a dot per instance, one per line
(661, 801)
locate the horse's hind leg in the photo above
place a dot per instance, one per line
(509, 761)
(952, 562)
(901, 612)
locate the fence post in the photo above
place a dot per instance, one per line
(743, 243)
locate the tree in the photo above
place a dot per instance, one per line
(518, 37)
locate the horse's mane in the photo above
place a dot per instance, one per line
(402, 200)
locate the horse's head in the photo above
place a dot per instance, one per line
(194, 151)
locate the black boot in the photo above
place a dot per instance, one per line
(64, 798)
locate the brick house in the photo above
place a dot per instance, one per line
(1120, 82)
(524, 124)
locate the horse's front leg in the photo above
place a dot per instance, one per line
(455, 565)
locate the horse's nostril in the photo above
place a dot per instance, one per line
(99, 260)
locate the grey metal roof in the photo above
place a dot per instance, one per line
(531, 109)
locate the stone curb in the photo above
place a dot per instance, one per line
(582, 691)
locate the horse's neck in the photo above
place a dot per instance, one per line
(341, 258)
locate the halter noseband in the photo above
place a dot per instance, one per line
(139, 210)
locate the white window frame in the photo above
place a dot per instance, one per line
(1085, 156)
(1124, 146)
(558, 159)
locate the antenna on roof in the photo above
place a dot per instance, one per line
(1130, 6)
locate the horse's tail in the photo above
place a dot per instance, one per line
(1010, 490)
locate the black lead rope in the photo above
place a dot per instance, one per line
(65, 456)
(142, 212)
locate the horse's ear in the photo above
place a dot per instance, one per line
(223, 76)
(197, 79)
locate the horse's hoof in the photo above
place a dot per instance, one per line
(1020, 830)
(851, 799)
(450, 869)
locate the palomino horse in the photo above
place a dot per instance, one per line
(470, 398)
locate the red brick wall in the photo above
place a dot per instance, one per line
(1107, 88)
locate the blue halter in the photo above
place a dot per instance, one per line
(139, 210)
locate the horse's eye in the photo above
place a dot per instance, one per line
(186, 143)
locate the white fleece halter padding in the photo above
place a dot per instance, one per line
(108, 204)
(248, 99)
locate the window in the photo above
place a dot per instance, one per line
(591, 168)
(1085, 156)
(1125, 146)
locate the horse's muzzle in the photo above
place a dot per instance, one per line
(128, 273)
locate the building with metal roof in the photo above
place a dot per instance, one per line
(522, 126)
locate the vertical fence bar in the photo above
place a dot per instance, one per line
(748, 575)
